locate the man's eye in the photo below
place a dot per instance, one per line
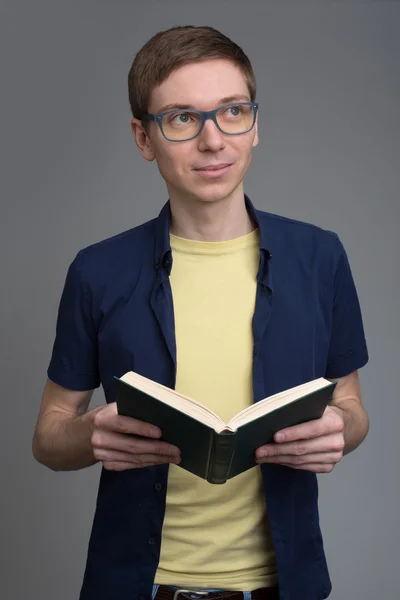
(234, 110)
(183, 118)
(180, 118)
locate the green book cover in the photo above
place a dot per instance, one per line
(211, 449)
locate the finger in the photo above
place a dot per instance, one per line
(314, 468)
(134, 426)
(333, 442)
(330, 422)
(125, 466)
(107, 419)
(322, 458)
(135, 460)
(131, 444)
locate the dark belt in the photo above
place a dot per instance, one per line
(166, 593)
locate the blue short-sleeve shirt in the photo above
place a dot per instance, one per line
(116, 315)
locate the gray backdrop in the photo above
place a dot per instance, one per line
(329, 94)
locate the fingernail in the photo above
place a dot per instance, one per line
(279, 437)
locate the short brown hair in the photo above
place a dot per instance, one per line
(174, 48)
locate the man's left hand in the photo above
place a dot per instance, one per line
(315, 446)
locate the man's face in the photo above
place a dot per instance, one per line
(203, 86)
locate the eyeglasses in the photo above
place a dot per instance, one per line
(182, 125)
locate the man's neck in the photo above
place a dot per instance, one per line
(210, 221)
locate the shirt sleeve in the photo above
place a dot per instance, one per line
(74, 360)
(347, 349)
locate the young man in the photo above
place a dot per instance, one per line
(226, 304)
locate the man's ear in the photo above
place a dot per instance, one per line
(142, 139)
(256, 138)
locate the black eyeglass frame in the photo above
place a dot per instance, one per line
(205, 115)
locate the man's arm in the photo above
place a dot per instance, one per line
(347, 399)
(62, 437)
(319, 445)
(67, 437)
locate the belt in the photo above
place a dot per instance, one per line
(166, 593)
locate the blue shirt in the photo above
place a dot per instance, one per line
(116, 315)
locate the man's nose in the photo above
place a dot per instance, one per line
(211, 138)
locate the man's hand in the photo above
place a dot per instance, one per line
(122, 443)
(315, 446)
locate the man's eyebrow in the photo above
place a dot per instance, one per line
(226, 100)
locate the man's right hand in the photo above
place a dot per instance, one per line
(122, 443)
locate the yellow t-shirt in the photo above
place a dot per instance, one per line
(215, 536)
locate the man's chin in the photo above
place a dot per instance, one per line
(215, 193)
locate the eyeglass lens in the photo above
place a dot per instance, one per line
(185, 124)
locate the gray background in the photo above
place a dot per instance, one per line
(329, 93)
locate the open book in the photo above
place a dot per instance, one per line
(211, 448)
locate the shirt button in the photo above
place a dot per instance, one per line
(151, 541)
(158, 486)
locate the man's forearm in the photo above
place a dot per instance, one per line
(356, 422)
(63, 442)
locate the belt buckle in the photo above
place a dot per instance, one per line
(198, 593)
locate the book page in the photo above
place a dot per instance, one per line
(175, 399)
(270, 404)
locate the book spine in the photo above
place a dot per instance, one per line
(221, 457)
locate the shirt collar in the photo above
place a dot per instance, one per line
(162, 238)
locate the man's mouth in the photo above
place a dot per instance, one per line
(213, 167)
(214, 170)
